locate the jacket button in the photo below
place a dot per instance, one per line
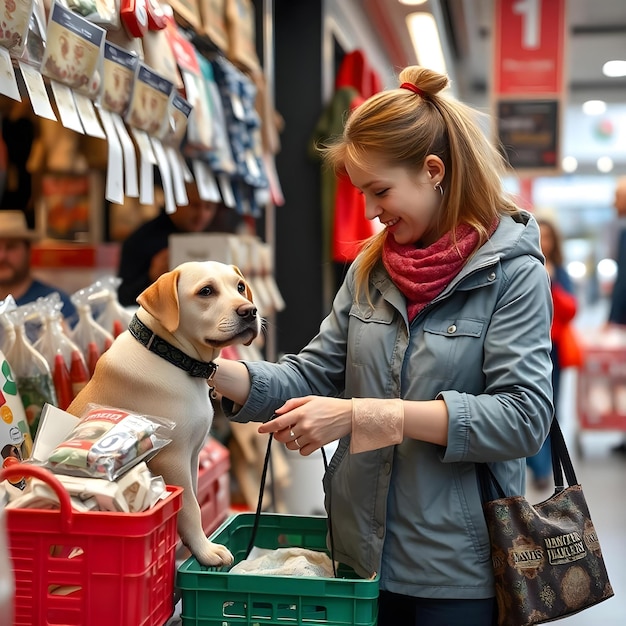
(387, 468)
(380, 532)
(491, 276)
(452, 328)
(367, 314)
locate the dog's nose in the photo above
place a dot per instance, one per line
(247, 311)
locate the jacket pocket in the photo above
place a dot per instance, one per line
(450, 346)
(371, 333)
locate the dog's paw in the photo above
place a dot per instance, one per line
(213, 555)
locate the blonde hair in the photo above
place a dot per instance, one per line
(402, 128)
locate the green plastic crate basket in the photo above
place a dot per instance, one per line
(215, 597)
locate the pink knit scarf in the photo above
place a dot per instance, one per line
(422, 274)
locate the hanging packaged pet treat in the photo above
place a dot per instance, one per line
(73, 48)
(16, 442)
(173, 131)
(14, 24)
(102, 12)
(159, 57)
(68, 367)
(32, 374)
(119, 72)
(107, 442)
(148, 104)
(35, 44)
(199, 125)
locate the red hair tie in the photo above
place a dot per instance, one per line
(413, 88)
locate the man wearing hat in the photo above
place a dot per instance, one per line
(15, 269)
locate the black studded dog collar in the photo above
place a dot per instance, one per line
(154, 343)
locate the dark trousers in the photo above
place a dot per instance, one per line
(398, 610)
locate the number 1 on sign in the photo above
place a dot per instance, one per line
(530, 10)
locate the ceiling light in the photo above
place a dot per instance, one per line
(614, 68)
(425, 37)
(605, 164)
(412, 2)
(569, 164)
(594, 107)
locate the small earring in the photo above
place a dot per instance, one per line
(438, 188)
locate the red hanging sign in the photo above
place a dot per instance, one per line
(529, 43)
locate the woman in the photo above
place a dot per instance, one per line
(564, 305)
(435, 357)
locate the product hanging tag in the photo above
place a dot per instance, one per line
(88, 117)
(146, 168)
(205, 181)
(37, 93)
(226, 189)
(130, 157)
(66, 107)
(114, 191)
(8, 81)
(166, 175)
(180, 193)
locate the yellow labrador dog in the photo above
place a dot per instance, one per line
(161, 364)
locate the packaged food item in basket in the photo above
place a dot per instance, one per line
(107, 442)
(32, 372)
(15, 440)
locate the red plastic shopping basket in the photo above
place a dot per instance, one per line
(91, 568)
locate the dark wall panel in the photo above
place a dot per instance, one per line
(298, 74)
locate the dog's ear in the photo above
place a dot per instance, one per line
(160, 299)
(248, 290)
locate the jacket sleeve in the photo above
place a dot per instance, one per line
(512, 417)
(319, 369)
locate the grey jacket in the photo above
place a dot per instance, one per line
(412, 512)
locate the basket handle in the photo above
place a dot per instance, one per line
(27, 469)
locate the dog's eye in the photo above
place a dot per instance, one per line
(241, 287)
(205, 291)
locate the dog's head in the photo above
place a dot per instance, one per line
(207, 304)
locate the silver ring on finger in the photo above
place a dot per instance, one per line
(296, 442)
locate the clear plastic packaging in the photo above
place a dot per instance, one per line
(92, 339)
(32, 373)
(66, 362)
(107, 442)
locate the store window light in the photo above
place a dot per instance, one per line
(425, 37)
(576, 269)
(605, 164)
(569, 164)
(594, 107)
(614, 69)
(607, 269)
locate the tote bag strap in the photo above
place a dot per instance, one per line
(491, 489)
(560, 458)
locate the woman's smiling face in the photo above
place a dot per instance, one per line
(405, 201)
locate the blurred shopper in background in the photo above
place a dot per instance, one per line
(16, 276)
(565, 349)
(617, 312)
(145, 252)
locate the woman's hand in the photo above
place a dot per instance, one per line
(309, 423)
